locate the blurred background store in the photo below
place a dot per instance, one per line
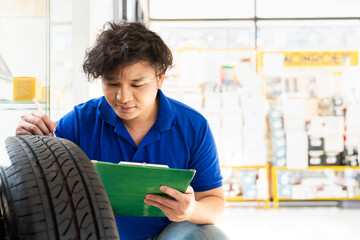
(278, 81)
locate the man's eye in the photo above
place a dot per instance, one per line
(138, 85)
(111, 84)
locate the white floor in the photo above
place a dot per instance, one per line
(291, 223)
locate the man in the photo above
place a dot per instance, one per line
(136, 122)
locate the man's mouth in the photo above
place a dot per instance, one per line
(126, 108)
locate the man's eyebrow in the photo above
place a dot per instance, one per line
(138, 79)
(109, 78)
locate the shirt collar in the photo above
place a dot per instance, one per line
(106, 112)
(167, 113)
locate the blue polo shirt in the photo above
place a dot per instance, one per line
(180, 138)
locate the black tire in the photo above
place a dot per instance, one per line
(50, 190)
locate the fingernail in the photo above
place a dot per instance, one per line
(162, 188)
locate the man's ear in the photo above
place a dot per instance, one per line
(160, 79)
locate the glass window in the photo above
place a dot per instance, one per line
(206, 34)
(61, 91)
(201, 9)
(273, 35)
(307, 8)
(60, 11)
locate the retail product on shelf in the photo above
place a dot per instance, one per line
(316, 153)
(228, 75)
(277, 138)
(247, 183)
(237, 118)
(26, 88)
(316, 183)
(254, 115)
(326, 141)
(331, 106)
(232, 137)
(294, 112)
(351, 156)
(296, 149)
(284, 184)
(352, 134)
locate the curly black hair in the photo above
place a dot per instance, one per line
(121, 44)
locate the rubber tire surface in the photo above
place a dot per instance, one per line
(50, 190)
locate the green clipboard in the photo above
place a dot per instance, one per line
(127, 186)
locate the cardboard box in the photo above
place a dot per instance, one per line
(352, 139)
(333, 159)
(353, 118)
(230, 99)
(312, 108)
(232, 154)
(254, 147)
(334, 143)
(333, 125)
(339, 111)
(315, 127)
(294, 105)
(326, 125)
(351, 156)
(294, 124)
(326, 107)
(212, 101)
(316, 158)
(254, 118)
(232, 120)
(193, 97)
(315, 143)
(337, 101)
(251, 97)
(296, 150)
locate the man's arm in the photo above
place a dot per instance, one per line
(210, 206)
(197, 207)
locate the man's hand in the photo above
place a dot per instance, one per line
(35, 123)
(178, 209)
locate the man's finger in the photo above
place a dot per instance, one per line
(172, 192)
(29, 127)
(22, 131)
(46, 120)
(164, 208)
(37, 123)
(163, 200)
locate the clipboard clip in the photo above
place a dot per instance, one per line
(144, 164)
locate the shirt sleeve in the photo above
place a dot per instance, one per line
(67, 127)
(205, 160)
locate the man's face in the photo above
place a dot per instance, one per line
(132, 91)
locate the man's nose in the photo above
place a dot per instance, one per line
(124, 94)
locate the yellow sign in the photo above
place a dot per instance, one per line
(320, 59)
